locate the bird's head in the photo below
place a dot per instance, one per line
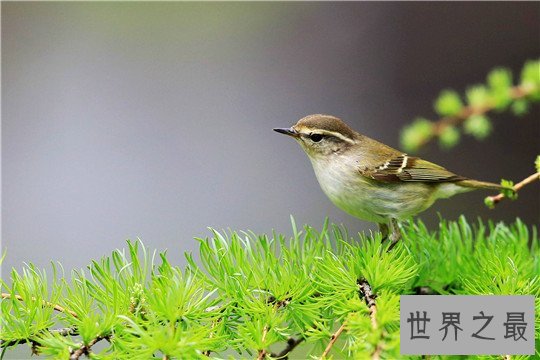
(321, 135)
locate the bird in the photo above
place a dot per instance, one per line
(370, 180)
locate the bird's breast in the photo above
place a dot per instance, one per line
(368, 199)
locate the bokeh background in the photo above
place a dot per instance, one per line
(153, 120)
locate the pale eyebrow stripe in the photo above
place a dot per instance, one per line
(332, 133)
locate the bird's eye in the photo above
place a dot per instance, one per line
(315, 137)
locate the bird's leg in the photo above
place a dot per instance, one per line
(395, 234)
(383, 228)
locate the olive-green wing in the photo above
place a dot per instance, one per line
(407, 168)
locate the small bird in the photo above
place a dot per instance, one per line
(371, 180)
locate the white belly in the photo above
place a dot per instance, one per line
(368, 199)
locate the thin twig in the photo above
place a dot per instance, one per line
(85, 349)
(496, 198)
(377, 353)
(333, 340)
(438, 126)
(221, 309)
(66, 331)
(210, 336)
(263, 352)
(291, 344)
(62, 332)
(367, 293)
(278, 303)
(45, 303)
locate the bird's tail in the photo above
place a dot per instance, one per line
(475, 184)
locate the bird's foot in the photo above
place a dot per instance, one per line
(383, 228)
(395, 236)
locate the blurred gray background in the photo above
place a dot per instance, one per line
(153, 120)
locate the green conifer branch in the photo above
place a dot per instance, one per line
(261, 292)
(498, 95)
(491, 201)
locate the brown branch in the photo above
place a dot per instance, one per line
(292, 343)
(438, 126)
(424, 290)
(66, 331)
(365, 292)
(333, 340)
(277, 305)
(45, 303)
(497, 198)
(85, 349)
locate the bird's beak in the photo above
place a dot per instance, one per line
(287, 131)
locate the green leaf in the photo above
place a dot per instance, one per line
(478, 96)
(530, 74)
(488, 201)
(530, 79)
(415, 134)
(478, 126)
(508, 189)
(537, 163)
(500, 78)
(507, 183)
(500, 84)
(520, 107)
(448, 103)
(449, 137)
